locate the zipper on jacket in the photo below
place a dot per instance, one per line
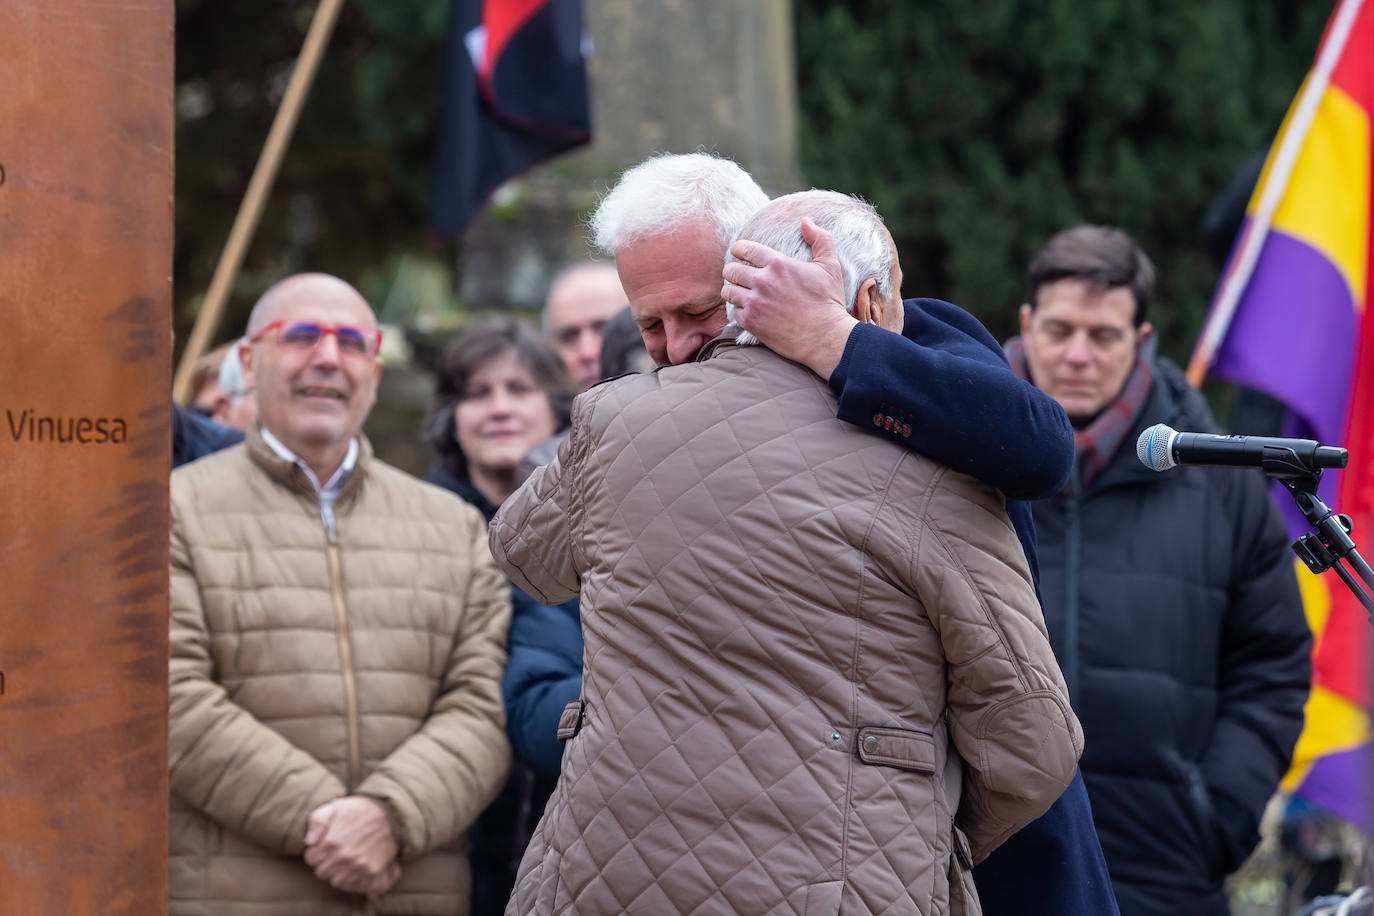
(345, 643)
(1072, 559)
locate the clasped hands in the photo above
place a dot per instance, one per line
(349, 843)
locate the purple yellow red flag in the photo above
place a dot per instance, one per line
(1290, 319)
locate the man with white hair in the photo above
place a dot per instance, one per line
(942, 388)
(667, 223)
(816, 676)
(581, 300)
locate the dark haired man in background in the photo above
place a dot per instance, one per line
(1170, 598)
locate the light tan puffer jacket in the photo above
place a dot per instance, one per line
(816, 677)
(302, 671)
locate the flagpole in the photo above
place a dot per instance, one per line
(250, 210)
(1280, 170)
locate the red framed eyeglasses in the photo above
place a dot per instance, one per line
(306, 335)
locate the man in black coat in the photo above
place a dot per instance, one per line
(1170, 598)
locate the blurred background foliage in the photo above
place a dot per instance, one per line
(352, 197)
(977, 128)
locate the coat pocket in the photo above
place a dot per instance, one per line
(903, 748)
(895, 850)
(1197, 801)
(822, 899)
(573, 717)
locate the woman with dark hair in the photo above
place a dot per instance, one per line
(499, 390)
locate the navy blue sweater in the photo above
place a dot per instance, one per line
(949, 392)
(946, 376)
(195, 436)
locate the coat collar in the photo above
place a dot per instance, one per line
(725, 340)
(289, 475)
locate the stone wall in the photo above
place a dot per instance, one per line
(665, 76)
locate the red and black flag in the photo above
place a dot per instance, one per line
(515, 94)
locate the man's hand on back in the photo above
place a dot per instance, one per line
(796, 308)
(350, 845)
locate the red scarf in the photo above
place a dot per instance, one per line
(1095, 444)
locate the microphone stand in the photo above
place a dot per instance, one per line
(1332, 542)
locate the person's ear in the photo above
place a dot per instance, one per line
(1025, 313)
(865, 303)
(246, 363)
(1143, 333)
(220, 412)
(878, 309)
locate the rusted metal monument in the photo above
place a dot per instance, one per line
(86, 135)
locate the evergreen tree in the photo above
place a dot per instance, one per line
(979, 129)
(353, 191)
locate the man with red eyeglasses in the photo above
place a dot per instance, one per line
(337, 643)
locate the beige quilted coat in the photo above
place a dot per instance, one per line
(305, 667)
(815, 671)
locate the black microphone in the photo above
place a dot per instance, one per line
(1161, 448)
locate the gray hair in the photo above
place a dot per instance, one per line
(660, 194)
(231, 378)
(861, 240)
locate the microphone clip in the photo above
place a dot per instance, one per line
(1314, 552)
(1330, 544)
(1283, 464)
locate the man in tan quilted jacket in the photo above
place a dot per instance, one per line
(816, 677)
(337, 643)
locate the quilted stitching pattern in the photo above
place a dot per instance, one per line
(258, 736)
(760, 581)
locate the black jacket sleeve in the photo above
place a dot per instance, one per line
(944, 388)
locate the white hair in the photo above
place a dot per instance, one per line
(861, 240)
(232, 381)
(660, 194)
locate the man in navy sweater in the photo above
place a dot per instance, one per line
(942, 388)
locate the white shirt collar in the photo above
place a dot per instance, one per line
(335, 484)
